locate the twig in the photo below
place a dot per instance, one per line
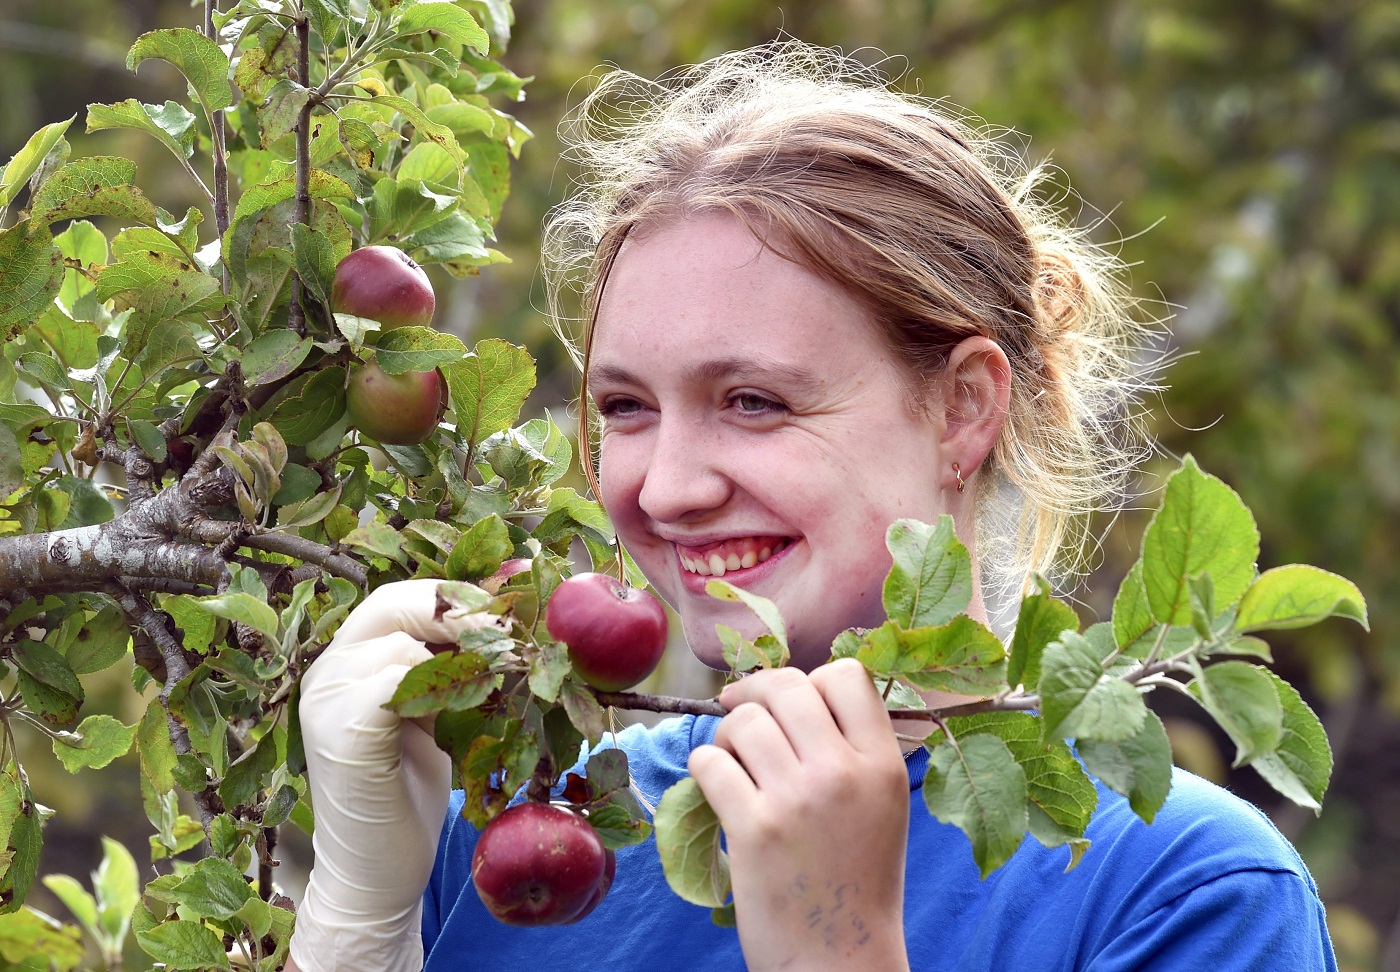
(177, 667)
(296, 315)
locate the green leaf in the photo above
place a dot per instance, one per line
(100, 185)
(184, 945)
(962, 656)
(11, 466)
(567, 513)
(765, 609)
(1132, 614)
(1139, 767)
(688, 842)
(930, 581)
(327, 16)
(480, 551)
(199, 59)
(1245, 702)
(31, 274)
(170, 123)
(742, 655)
(977, 785)
(429, 129)
(1202, 526)
(212, 888)
(75, 341)
(549, 665)
(246, 608)
(618, 828)
(99, 739)
(313, 410)
(315, 261)
(156, 749)
(1077, 698)
(447, 19)
(47, 666)
(32, 940)
(1297, 596)
(281, 109)
(417, 349)
(76, 898)
(488, 388)
(1062, 797)
(148, 437)
(583, 709)
(26, 840)
(258, 199)
(274, 355)
(378, 539)
(26, 162)
(1041, 620)
(450, 682)
(245, 775)
(1301, 765)
(117, 885)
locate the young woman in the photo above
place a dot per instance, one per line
(814, 306)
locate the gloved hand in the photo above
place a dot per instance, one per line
(379, 786)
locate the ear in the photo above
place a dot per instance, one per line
(977, 392)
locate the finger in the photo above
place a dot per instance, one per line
(351, 661)
(729, 790)
(850, 695)
(796, 705)
(754, 738)
(410, 606)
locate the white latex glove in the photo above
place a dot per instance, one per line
(379, 787)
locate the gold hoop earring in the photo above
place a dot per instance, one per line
(958, 472)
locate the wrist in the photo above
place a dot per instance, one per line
(327, 939)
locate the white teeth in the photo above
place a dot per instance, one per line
(764, 554)
(732, 563)
(717, 565)
(700, 567)
(749, 560)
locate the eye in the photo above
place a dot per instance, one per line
(619, 407)
(751, 403)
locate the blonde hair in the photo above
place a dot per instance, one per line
(934, 226)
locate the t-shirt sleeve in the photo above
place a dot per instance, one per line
(1255, 920)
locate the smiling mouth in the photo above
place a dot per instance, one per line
(718, 559)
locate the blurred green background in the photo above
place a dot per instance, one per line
(1246, 153)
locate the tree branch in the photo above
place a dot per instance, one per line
(296, 316)
(177, 668)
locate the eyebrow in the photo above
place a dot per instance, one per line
(715, 369)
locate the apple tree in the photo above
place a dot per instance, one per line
(198, 467)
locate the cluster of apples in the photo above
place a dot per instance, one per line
(536, 863)
(384, 284)
(542, 863)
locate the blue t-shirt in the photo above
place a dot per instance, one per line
(1210, 885)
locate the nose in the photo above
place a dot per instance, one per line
(685, 476)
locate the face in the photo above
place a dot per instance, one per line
(755, 427)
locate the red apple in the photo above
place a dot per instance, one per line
(615, 633)
(384, 284)
(538, 864)
(605, 884)
(395, 409)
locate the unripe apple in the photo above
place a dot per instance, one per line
(384, 284)
(538, 864)
(395, 409)
(616, 634)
